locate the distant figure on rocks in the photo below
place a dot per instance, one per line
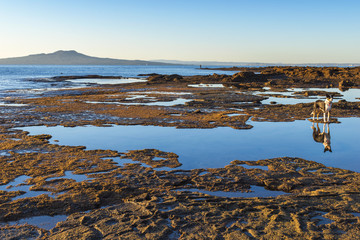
(322, 137)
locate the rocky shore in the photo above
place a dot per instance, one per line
(137, 201)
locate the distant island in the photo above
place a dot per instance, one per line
(71, 58)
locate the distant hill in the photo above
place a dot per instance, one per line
(71, 58)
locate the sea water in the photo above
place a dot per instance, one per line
(217, 147)
(23, 76)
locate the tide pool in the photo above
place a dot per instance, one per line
(214, 148)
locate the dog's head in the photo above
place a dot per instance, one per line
(327, 148)
(329, 97)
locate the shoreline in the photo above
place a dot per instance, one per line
(137, 201)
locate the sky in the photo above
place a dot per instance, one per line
(268, 31)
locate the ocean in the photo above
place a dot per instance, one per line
(14, 77)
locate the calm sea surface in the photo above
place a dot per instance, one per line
(23, 76)
(213, 148)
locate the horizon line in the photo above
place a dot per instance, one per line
(197, 62)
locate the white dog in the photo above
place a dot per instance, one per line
(323, 106)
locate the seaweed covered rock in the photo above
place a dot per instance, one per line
(248, 77)
(164, 78)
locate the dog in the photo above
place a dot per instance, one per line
(324, 107)
(322, 137)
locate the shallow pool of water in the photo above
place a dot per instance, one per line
(45, 222)
(70, 175)
(12, 104)
(280, 100)
(213, 148)
(205, 85)
(106, 80)
(19, 184)
(179, 101)
(350, 95)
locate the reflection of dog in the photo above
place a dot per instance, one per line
(325, 107)
(322, 137)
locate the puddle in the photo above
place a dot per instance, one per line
(235, 114)
(45, 222)
(242, 103)
(248, 234)
(12, 104)
(164, 93)
(167, 208)
(265, 168)
(39, 91)
(229, 224)
(133, 97)
(320, 220)
(70, 175)
(5, 153)
(217, 147)
(350, 95)
(106, 80)
(16, 185)
(256, 192)
(356, 214)
(123, 161)
(30, 193)
(174, 235)
(203, 85)
(179, 101)
(279, 100)
(11, 186)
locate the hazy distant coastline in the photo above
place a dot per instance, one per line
(254, 64)
(71, 58)
(75, 58)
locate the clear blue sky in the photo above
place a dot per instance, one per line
(306, 31)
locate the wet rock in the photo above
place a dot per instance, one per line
(21, 232)
(164, 78)
(165, 159)
(244, 77)
(43, 136)
(345, 84)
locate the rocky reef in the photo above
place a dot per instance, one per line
(149, 197)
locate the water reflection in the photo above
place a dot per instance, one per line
(217, 147)
(322, 136)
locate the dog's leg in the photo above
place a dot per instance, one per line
(328, 117)
(324, 117)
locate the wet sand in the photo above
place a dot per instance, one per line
(137, 201)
